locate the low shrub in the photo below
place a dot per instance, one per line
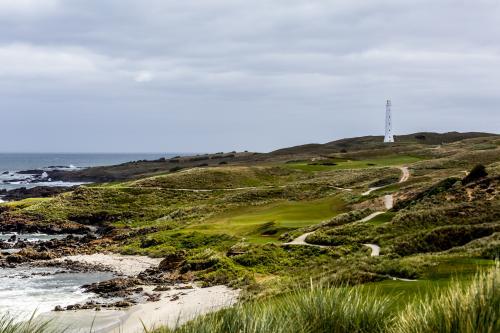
(176, 168)
(478, 172)
(441, 239)
(440, 187)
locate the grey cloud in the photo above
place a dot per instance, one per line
(219, 74)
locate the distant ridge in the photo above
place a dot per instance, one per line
(355, 147)
(365, 142)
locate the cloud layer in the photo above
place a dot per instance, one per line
(157, 75)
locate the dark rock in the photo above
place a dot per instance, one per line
(31, 172)
(116, 286)
(31, 224)
(32, 254)
(152, 297)
(58, 308)
(149, 242)
(35, 192)
(172, 261)
(4, 245)
(73, 307)
(15, 259)
(122, 304)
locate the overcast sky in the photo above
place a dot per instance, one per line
(221, 75)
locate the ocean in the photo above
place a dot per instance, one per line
(28, 290)
(25, 290)
(11, 163)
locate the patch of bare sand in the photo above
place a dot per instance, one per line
(125, 265)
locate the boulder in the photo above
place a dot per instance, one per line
(112, 286)
(32, 254)
(15, 259)
(172, 261)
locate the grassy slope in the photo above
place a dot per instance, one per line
(354, 164)
(266, 223)
(286, 197)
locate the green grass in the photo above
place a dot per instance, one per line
(354, 164)
(473, 308)
(220, 178)
(470, 307)
(265, 223)
(381, 219)
(25, 203)
(437, 276)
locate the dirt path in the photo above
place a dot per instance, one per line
(375, 249)
(388, 202)
(404, 178)
(371, 216)
(406, 174)
(301, 240)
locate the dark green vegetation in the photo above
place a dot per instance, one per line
(228, 222)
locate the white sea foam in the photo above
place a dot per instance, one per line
(24, 290)
(35, 237)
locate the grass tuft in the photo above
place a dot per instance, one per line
(8, 324)
(316, 310)
(467, 309)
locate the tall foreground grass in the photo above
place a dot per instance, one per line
(465, 309)
(473, 308)
(316, 310)
(8, 324)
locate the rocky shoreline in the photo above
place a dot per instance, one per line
(34, 192)
(137, 280)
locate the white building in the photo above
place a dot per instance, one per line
(389, 137)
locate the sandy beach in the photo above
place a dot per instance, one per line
(168, 311)
(121, 264)
(175, 306)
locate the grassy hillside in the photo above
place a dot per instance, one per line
(230, 223)
(376, 143)
(352, 148)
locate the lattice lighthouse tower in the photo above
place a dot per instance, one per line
(389, 137)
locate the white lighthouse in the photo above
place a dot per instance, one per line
(389, 137)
